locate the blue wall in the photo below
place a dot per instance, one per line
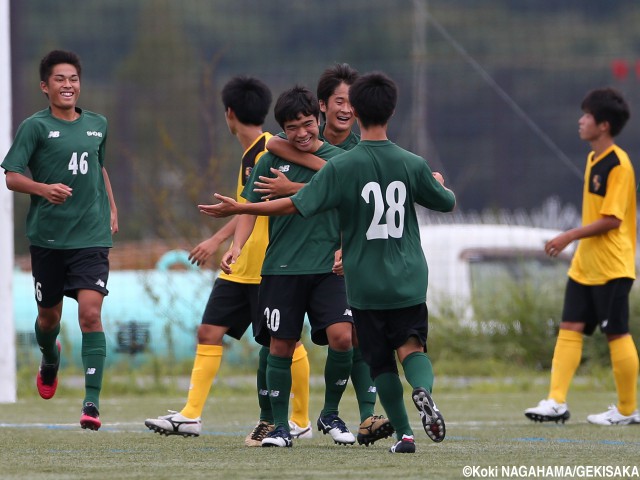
(147, 313)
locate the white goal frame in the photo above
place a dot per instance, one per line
(8, 386)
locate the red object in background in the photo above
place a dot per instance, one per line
(620, 69)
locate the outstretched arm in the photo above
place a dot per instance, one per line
(228, 206)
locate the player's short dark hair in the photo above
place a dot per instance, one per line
(373, 97)
(607, 105)
(294, 103)
(332, 77)
(56, 57)
(249, 98)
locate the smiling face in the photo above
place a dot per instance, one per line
(303, 133)
(62, 88)
(338, 111)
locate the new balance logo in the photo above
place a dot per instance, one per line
(284, 168)
(263, 393)
(342, 382)
(94, 134)
(274, 393)
(54, 134)
(100, 283)
(91, 371)
(372, 389)
(604, 323)
(347, 313)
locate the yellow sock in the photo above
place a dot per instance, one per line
(566, 359)
(624, 360)
(300, 387)
(205, 369)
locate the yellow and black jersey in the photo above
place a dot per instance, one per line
(609, 189)
(247, 268)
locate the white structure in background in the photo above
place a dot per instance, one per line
(7, 337)
(155, 313)
(465, 259)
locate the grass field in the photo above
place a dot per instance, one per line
(485, 429)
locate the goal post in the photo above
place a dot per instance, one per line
(8, 386)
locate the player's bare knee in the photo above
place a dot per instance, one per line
(339, 336)
(340, 343)
(49, 317)
(90, 320)
(48, 320)
(282, 347)
(210, 334)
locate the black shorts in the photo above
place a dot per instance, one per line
(233, 305)
(382, 332)
(605, 305)
(59, 273)
(284, 300)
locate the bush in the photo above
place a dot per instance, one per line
(514, 327)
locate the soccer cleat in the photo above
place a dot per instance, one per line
(261, 430)
(431, 417)
(373, 429)
(333, 425)
(548, 410)
(613, 417)
(175, 424)
(47, 378)
(90, 417)
(299, 432)
(278, 438)
(406, 445)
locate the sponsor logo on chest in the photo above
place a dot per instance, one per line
(90, 133)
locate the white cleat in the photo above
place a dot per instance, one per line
(279, 437)
(298, 432)
(548, 410)
(333, 425)
(613, 417)
(175, 424)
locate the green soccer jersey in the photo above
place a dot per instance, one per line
(71, 153)
(351, 141)
(374, 186)
(297, 245)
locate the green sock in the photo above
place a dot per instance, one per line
(266, 413)
(418, 370)
(336, 375)
(279, 383)
(363, 385)
(94, 352)
(47, 343)
(390, 392)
